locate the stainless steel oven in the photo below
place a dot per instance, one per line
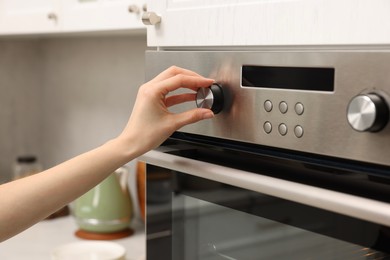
(295, 164)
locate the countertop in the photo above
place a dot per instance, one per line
(37, 242)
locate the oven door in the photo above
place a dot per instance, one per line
(208, 202)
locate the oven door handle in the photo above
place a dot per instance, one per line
(341, 203)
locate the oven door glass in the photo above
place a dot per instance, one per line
(229, 223)
(190, 218)
(210, 220)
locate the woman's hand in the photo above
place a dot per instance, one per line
(151, 122)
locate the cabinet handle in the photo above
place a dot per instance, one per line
(134, 9)
(342, 203)
(52, 16)
(151, 18)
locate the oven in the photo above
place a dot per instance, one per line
(294, 165)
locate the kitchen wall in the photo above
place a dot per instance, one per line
(20, 101)
(63, 96)
(90, 87)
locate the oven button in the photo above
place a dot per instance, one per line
(299, 108)
(268, 105)
(283, 107)
(367, 112)
(211, 98)
(298, 131)
(282, 129)
(267, 127)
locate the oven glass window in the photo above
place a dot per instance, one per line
(212, 232)
(193, 218)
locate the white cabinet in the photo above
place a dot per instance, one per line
(96, 15)
(32, 16)
(269, 22)
(59, 16)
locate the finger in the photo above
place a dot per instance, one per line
(173, 71)
(177, 99)
(183, 81)
(192, 116)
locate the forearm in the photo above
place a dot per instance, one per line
(26, 201)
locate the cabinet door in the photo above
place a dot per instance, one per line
(100, 15)
(32, 16)
(269, 22)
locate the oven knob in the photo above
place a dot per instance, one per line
(368, 112)
(211, 98)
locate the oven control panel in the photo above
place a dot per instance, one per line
(332, 103)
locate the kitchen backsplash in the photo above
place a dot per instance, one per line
(20, 101)
(63, 96)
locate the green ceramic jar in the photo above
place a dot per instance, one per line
(106, 208)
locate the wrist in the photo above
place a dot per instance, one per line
(126, 148)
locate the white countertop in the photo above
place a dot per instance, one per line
(37, 242)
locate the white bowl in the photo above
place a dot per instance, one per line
(89, 250)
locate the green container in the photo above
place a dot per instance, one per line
(106, 208)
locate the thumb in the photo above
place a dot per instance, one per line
(193, 116)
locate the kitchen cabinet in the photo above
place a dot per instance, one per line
(271, 22)
(33, 16)
(96, 15)
(64, 16)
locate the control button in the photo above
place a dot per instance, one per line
(268, 105)
(298, 131)
(267, 127)
(283, 107)
(299, 108)
(282, 129)
(211, 98)
(368, 112)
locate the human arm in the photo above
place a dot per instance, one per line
(26, 201)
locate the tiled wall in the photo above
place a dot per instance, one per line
(90, 87)
(20, 101)
(63, 96)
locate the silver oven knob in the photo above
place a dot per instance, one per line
(211, 98)
(368, 112)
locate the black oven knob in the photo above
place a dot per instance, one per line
(211, 98)
(368, 112)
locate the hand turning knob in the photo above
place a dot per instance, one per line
(211, 98)
(368, 112)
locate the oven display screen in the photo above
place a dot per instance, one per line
(293, 78)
